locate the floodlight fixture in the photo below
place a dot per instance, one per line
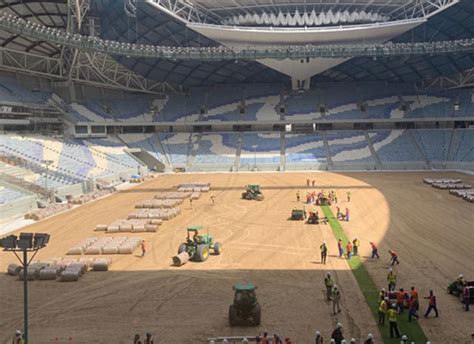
(26, 241)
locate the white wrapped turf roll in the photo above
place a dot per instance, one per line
(48, 274)
(69, 276)
(14, 269)
(75, 251)
(92, 250)
(101, 228)
(110, 250)
(101, 265)
(126, 249)
(151, 228)
(112, 229)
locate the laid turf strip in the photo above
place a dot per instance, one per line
(371, 292)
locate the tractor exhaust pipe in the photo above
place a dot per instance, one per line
(181, 259)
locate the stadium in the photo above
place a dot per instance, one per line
(236, 171)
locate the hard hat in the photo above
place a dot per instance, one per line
(387, 298)
(428, 342)
(390, 269)
(353, 340)
(332, 341)
(394, 305)
(225, 341)
(324, 242)
(17, 333)
(212, 342)
(338, 325)
(404, 337)
(343, 341)
(318, 333)
(370, 336)
(461, 276)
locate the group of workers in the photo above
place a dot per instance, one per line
(147, 340)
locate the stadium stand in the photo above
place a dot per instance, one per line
(260, 149)
(216, 152)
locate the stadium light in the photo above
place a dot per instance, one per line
(27, 242)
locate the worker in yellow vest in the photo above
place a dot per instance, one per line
(392, 320)
(383, 311)
(18, 339)
(392, 280)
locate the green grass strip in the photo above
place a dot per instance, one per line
(371, 292)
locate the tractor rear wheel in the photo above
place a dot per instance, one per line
(217, 248)
(256, 315)
(202, 253)
(182, 248)
(233, 317)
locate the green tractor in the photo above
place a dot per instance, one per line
(298, 214)
(197, 247)
(245, 307)
(253, 192)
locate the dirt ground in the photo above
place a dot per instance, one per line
(431, 230)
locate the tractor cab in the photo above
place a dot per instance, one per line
(244, 294)
(196, 238)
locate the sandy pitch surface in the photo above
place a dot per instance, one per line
(431, 231)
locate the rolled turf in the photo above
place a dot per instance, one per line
(371, 292)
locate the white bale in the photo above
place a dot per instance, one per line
(101, 228)
(151, 228)
(48, 274)
(75, 251)
(110, 250)
(30, 274)
(138, 228)
(70, 276)
(101, 265)
(14, 269)
(126, 228)
(92, 250)
(112, 229)
(126, 249)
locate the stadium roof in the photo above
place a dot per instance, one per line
(154, 27)
(50, 13)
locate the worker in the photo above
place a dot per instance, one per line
(404, 339)
(459, 280)
(356, 244)
(18, 339)
(337, 334)
(149, 339)
(349, 250)
(393, 257)
(413, 307)
(370, 339)
(401, 300)
(318, 339)
(191, 203)
(343, 341)
(336, 299)
(431, 304)
(348, 196)
(338, 213)
(339, 247)
(414, 293)
(288, 341)
(392, 280)
(307, 182)
(382, 294)
(225, 341)
(335, 197)
(313, 182)
(375, 251)
(353, 341)
(392, 320)
(142, 245)
(212, 199)
(324, 252)
(277, 339)
(383, 310)
(265, 338)
(466, 297)
(332, 341)
(328, 283)
(137, 340)
(297, 196)
(347, 214)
